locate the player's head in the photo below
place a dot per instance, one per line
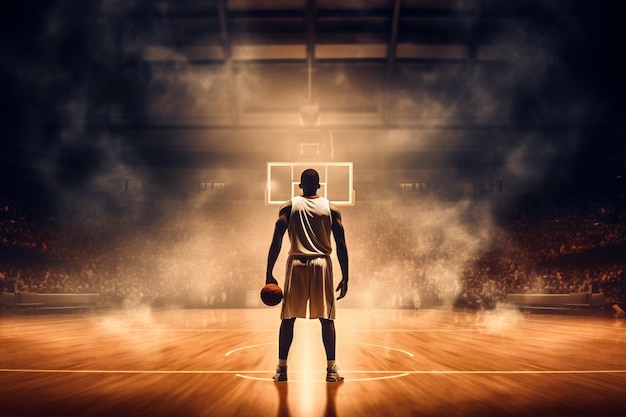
(309, 181)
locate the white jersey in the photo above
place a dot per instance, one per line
(310, 226)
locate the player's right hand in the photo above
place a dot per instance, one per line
(270, 280)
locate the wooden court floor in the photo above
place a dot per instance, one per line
(192, 363)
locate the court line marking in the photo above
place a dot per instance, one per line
(524, 318)
(274, 330)
(248, 347)
(148, 328)
(254, 378)
(409, 354)
(241, 372)
(406, 352)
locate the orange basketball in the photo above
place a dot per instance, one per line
(271, 294)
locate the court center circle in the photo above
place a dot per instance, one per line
(384, 374)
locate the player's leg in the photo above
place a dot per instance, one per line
(322, 306)
(329, 338)
(285, 338)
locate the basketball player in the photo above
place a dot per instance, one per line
(309, 220)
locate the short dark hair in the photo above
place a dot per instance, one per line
(309, 177)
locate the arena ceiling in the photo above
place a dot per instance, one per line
(371, 63)
(412, 85)
(346, 57)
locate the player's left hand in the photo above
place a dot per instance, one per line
(271, 280)
(342, 288)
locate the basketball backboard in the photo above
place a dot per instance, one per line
(283, 178)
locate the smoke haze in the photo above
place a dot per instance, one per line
(85, 111)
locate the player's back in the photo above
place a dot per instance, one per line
(310, 226)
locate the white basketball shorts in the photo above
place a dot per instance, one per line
(308, 283)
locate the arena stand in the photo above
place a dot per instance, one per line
(553, 302)
(179, 254)
(49, 302)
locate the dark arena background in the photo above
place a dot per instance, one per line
(476, 149)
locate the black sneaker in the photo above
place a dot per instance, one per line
(332, 374)
(281, 374)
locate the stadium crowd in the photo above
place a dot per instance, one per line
(212, 253)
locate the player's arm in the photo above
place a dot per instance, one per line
(277, 241)
(342, 251)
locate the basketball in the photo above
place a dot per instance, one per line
(271, 294)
